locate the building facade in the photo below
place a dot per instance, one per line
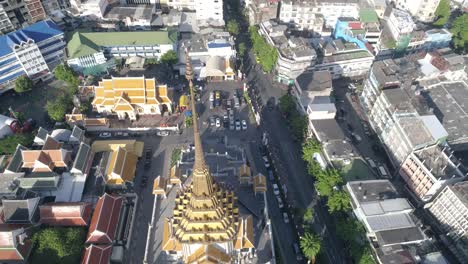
(88, 50)
(15, 14)
(450, 209)
(33, 51)
(205, 10)
(423, 11)
(128, 97)
(303, 13)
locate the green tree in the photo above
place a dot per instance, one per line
(233, 27)
(310, 147)
(299, 126)
(58, 245)
(169, 58)
(459, 31)
(287, 104)
(338, 201)
(151, 61)
(442, 13)
(8, 144)
(188, 121)
(309, 215)
(59, 107)
(23, 84)
(310, 245)
(366, 256)
(266, 54)
(349, 230)
(66, 74)
(242, 49)
(314, 168)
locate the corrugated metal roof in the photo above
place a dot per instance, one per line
(387, 222)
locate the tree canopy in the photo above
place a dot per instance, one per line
(59, 107)
(442, 13)
(8, 144)
(287, 104)
(169, 57)
(233, 27)
(266, 54)
(349, 230)
(310, 147)
(310, 245)
(459, 30)
(338, 201)
(309, 215)
(242, 49)
(66, 74)
(58, 245)
(23, 84)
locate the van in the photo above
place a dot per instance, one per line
(236, 102)
(371, 163)
(383, 172)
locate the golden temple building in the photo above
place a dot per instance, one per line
(131, 96)
(206, 226)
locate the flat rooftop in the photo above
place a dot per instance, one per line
(398, 236)
(461, 191)
(398, 99)
(441, 166)
(315, 81)
(373, 190)
(416, 131)
(328, 130)
(350, 55)
(450, 103)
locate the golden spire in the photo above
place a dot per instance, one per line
(202, 182)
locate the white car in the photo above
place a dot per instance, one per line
(280, 202)
(105, 135)
(244, 125)
(266, 161)
(285, 218)
(218, 122)
(211, 96)
(275, 189)
(238, 125)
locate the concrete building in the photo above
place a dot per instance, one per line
(423, 11)
(135, 17)
(308, 85)
(91, 51)
(16, 14)
(93, 9)
(302, 13)
(128, 97)
(400, 24)
(387, 218)
(363, 31)
(261, 10)
(205, 10)
(33, 51)
(343, 59)
(428, 170)
(400, 98)
(450, 209)
(295, 54)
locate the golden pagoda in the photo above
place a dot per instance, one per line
(205, 227)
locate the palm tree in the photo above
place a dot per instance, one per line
(310, 245)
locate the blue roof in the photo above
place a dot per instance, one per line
(38, 32)
(218, 45)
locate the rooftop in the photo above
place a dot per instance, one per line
(373, 190)
(399, 236)
(328, 130)
(368, 15)
(138, 12)
(461, 191)
(348, 55)
(439, 163)
(315, 81)
(415, 129)
(87, 43)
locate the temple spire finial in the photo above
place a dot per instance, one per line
(202, 182)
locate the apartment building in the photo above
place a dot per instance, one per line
(33, 51)
(422, 10)
(400, 24)
(15, 14)
(388, 219)
(401, 97)
(428, 170)
(205, 10)
(301, 14)
(261, 10)
(343, 59)
(88, 50)
(450, 209)
(295, 54)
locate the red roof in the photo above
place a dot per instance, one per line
(105, 219)
(355, 25)
(65, 214)
(97, 255)
(14, 243)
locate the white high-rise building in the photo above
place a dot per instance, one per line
(207, 10)
(450, 208)
(423, 10)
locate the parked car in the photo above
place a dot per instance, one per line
(231, 114)
(275, 189)
(280, 202)
(211, 96)
(218, 95)
(271, 177)
(105, 135)
(266, 162)
(244, 125)
(236, 102)
(371, 163)
(218, 122)
(285, 218)
(162, 133)
(229, 104)
(231, 125)
(238, 125)
(212, 121)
